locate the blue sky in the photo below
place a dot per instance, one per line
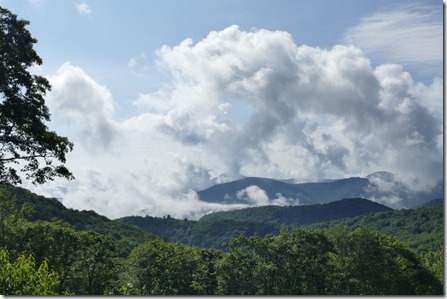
(104, 38)
(300, 89)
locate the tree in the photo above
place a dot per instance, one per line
(370, 263)
(95, 271)
(205, 276)
(86, 262)
(12, 224)
(58, 244)
(236, 269)
(434, 260)
(162, 268)
(25, 140)
(23, 277)
(292, 263)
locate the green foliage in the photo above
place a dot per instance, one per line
(216, 228)
(199, 233)
(300, 215)
(48, 209)
(292, 263)
(434, 260)
(370, 263)
(23, 277)
(24, 135)
(57, 243)
(303, 262)
(162, 268)
(12, 222)
(85, 261)
(96, 267)
(421, 228)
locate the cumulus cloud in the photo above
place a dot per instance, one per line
(78, 101)
(334, 108)
(409, 34)
(311, 114)
(84, 9)
(256, 196)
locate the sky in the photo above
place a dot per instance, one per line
(166, 98)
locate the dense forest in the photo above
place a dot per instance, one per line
(421, 228)
(100, 256)
(301, 214)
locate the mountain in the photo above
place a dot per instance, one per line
(49, 209)
(422, 228)
(227, 192)
(214, 229)
(432, 203)
(321, 192)
(299, 215)
(205, 234)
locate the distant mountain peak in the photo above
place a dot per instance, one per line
(382, 175)
(379, 186)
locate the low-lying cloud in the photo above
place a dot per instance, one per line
(311, 114)
(256, 196)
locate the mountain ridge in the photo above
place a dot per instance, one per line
(239, 192)
(51, 209)
(303, 214)
(132, 230)
(213, 230)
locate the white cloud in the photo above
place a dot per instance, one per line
(313, 114)
(84, 9)
(254, 195)
(80, 102)
(409, 34)
(331, 105)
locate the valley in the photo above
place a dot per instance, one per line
(82, 252)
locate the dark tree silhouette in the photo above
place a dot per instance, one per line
(26, 144)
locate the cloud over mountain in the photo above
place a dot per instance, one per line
(309, 113)
(331, 106)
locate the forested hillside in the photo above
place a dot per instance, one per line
(214, 229)
(199, 233)
(299, 215)
(421, 228)
(48, 209)
(54, 257)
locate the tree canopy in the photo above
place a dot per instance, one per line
(25, 140)
(53, 257)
